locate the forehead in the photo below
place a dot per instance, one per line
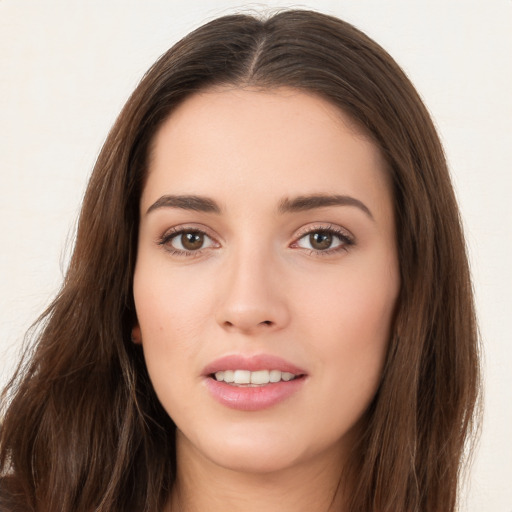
(262, 143)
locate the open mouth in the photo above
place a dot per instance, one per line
(253, 378)
(253, 383)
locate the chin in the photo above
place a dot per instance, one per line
(248, 450)
(260, 449)
(251, 460)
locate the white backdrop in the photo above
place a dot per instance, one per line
(68, 66)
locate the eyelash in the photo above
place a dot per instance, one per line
(343, 236)
(173, 233)
(346, 240)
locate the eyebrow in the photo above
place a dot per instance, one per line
(286, 205)
(188, 202)
(310, 202)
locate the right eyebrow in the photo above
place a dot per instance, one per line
(310, 202)
(186, 202)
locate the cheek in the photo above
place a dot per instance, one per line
(163, 325)
(357, 305)
(349, 327)
(174, 311)
(169, 331)
(170, 307)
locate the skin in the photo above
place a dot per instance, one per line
(255, 286)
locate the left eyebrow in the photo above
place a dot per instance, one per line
(310, 202)
(186, 202)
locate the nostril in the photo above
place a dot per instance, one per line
(248, 323)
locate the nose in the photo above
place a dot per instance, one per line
(253, 297)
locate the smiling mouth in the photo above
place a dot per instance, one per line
(253, 383)
(253, 378)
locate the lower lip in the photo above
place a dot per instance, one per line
(257, 398)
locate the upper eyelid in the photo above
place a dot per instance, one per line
(184, 228)
(334, 228)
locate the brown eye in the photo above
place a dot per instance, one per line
(187, 241)
(326, 241)
(192, 241)
(320, 240)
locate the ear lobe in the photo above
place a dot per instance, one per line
(136, 335)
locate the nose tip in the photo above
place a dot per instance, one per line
(252, 301)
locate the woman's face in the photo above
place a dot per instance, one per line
(266, 277)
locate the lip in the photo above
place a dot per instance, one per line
(248, 398)
(252, 363)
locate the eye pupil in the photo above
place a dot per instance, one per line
(192, 241)
(320, 240)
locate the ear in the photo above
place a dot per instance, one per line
(136, 335)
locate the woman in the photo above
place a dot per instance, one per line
(269, 301)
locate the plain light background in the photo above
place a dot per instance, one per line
(67, 67)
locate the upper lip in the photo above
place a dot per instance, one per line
(251, 363)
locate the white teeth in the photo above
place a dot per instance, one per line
(242, 377)
(229, 376)
(259, 377)
(275, 376)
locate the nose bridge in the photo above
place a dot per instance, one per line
(252, 296)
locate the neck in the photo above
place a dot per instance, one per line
(202, 485)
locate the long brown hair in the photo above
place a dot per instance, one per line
(83, 430)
